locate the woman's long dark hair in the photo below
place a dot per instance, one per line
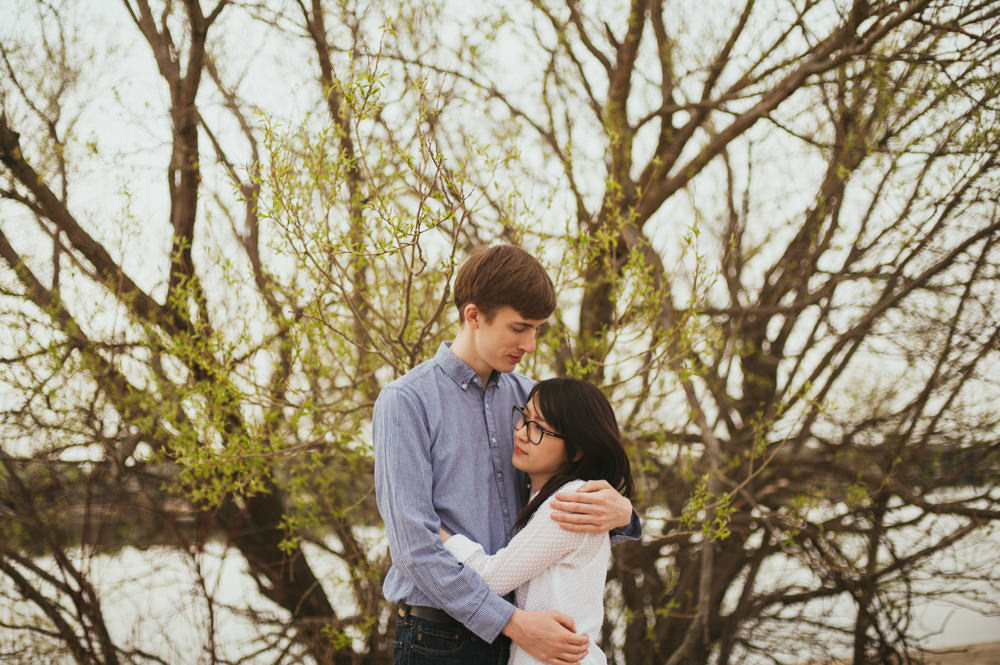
(581, 413)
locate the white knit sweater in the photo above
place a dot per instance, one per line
(552, 569)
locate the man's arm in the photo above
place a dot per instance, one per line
(404, 485)
(597, 507)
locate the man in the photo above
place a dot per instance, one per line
(443, 447)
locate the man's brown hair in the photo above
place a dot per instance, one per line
(504, 275)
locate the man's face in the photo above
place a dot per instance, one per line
(501, 342)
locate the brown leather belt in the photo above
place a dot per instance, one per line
(428, 613)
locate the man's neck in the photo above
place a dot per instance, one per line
(464, 350)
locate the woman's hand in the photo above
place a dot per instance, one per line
(444, 535)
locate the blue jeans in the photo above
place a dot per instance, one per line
(423, 642)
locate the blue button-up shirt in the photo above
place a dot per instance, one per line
(443, 449)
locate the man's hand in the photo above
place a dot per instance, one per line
(596, 507)
(444, 535)
(548, 636)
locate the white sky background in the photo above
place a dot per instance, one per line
(123, 190)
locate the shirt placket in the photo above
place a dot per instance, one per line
(498, 532)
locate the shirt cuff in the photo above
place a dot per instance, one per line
(633, 531)
(491, 618)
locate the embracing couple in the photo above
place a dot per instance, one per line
(490, 483)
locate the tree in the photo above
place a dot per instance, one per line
(762, 205)
(239, 398)
(792, 450)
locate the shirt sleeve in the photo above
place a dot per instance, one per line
(540, 544)
(631, 531)
(404, 493)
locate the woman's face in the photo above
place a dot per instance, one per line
(541, 461)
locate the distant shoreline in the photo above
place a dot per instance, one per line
(982, 653)
(979, 653)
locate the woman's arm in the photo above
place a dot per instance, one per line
(537, 546)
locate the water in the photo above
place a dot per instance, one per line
(155, 599)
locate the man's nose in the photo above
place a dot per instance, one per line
(528, 342)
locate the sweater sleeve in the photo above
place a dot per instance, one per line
(539, 545)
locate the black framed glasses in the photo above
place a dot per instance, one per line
(535, 431)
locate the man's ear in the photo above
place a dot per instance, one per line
(472, 315)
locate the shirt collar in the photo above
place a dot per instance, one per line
(456, 369)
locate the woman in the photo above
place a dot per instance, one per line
(566, 433)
